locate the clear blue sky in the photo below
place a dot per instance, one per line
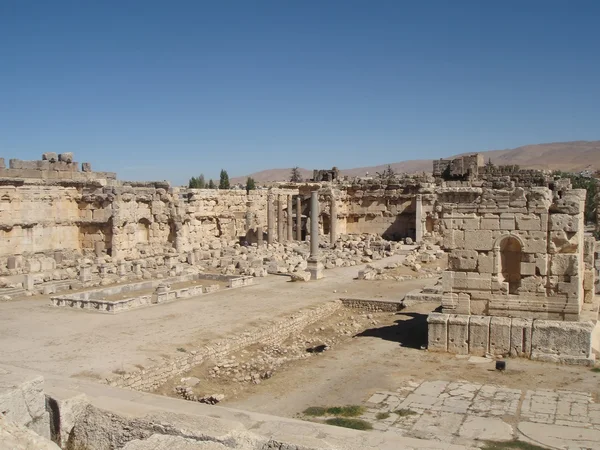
(170, 89)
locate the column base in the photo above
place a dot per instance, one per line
(315, 268)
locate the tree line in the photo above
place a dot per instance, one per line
(200, 182)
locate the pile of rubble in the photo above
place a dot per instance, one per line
(291, 258)
(254, 365)
(222, 256)
(414, 260)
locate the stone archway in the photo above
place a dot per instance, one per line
(511, 252)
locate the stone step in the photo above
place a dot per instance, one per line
(420, 296)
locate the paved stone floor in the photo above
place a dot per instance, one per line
(461, 411)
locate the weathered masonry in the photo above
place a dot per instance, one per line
(520, 268)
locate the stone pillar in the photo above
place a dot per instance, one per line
(279, 218)
(270, 224)
(333, 220)
(259, 235)
(85, 274)
(314, 264)
(28, 283)
(290, 221)
(121, 268)
(298, 218)
(419, 219)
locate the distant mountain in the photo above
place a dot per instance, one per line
(568, 156)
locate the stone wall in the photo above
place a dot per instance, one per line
(544, 340)
(45, 226)
(513, 252)
(153, 377)
(53, 167)
(372, 305)
(388, 211)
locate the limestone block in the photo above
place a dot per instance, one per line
(528, 268)
(564, 264)
(500, 335)
(541, 264)
(507, 221)
(539, 197)
(66, 157)
(472, 223)
(528, 222)
(25, 402)
(533, 241)
(464, 304)
(478, 240)
(533, 284)
(447, 281)
(490, 223)
(570, 288)
(588, 251)
(14, 436)
(588, 279)
(453, 239)
(465, 281)
(564, 222)
(565, 342)
(50, 156)
(479, 333)
(449, 302)
(462, 260)
(588, 296)
(458, 334)
(437, 332)
(563, 242)
(485, 263)
(520, 337)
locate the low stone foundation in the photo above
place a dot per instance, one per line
(95, 299)
(372, 305)
(153, 377)
(543, 340)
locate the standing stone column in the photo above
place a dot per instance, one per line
(333, 220)
(298, 218)
(290, 221)
(270, 224)
(259, 235)
(314, 264)
(279, 218)
(419, 219)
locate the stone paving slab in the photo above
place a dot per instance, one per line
(461, 411)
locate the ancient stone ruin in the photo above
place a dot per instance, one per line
(495, 262)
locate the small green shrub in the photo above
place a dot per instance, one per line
(346, 411)
(355, 424)
(382, 415)
(315, 411)
(596, 369)
(404, 412)
(181, 349)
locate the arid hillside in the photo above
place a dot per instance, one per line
(567, 156)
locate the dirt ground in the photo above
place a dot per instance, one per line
(385, 357)
(68, 342)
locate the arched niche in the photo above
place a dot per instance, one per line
(142, 231)
(508, 253)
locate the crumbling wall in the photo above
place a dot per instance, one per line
(386, 211)
(513, 252)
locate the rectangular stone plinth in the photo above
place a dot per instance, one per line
(315, 268)
(437, 332)
(562, 342)
(546, 340)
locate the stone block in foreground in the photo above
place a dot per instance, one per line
(542, 340)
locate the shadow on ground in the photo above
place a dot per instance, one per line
(410, 331)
